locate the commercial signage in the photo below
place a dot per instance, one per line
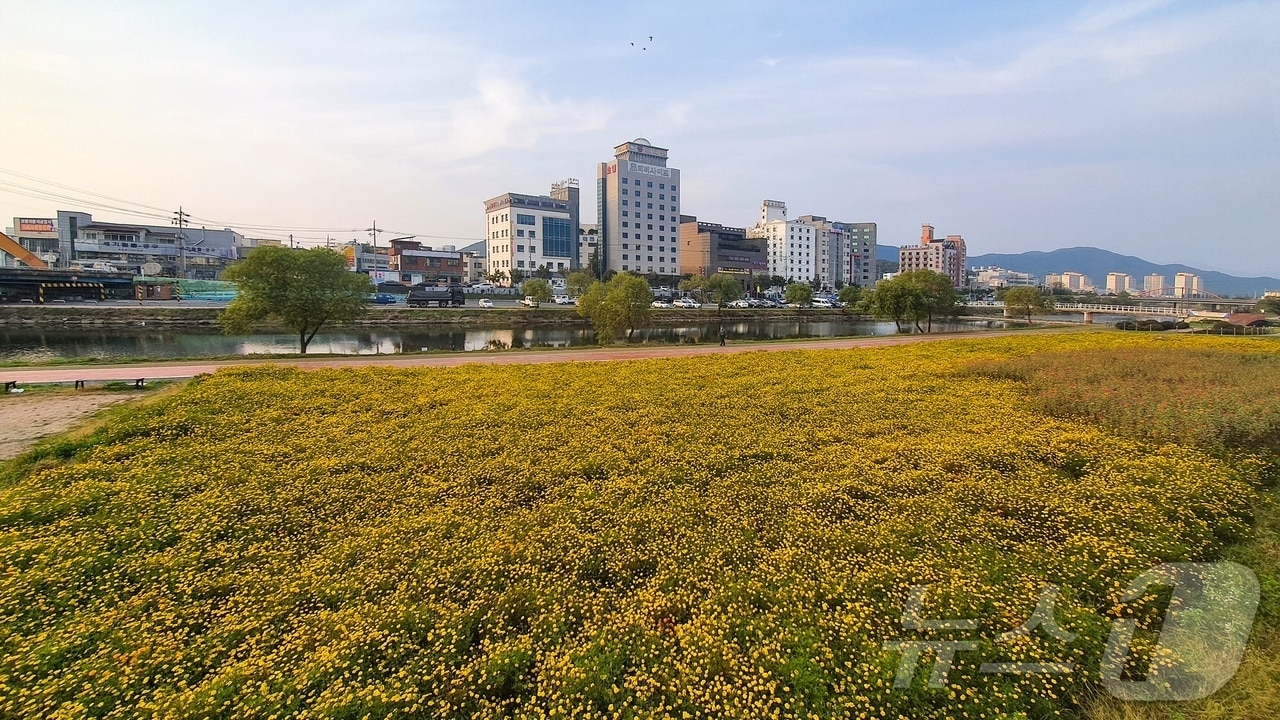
(381, 276)
(44, 225)
(643, 169)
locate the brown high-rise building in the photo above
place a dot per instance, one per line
(946, 256)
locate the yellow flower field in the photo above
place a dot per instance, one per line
(715, 537)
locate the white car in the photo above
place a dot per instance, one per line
(739, 304)
(528, 301)
(822, 303)
(688, 303)
(486, 303)
(660, 304)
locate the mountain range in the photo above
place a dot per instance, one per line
(1096, 263)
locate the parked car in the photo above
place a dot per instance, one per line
(687, 303)
(660, 304)
(528, 301)
(561, 299)
(822, 303)
(740, 304)
(486, 303)
(384, 299)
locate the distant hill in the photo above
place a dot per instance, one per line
(1096, 263)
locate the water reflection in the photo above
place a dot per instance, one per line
(32, 345)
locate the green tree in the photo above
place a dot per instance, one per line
(932, 295)
(517, 276)
(1026, 300)
(799, 293)
(625, 301)
(577, 283)
(693, 285)
(888, 301)
(723, 288)
(849, 295)
(1269, 304)
(538, 289)
(543, 272)
(593, 264)
(497, 277)
(303, 289)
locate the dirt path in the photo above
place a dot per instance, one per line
(27, 418)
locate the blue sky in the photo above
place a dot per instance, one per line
(1149, 128)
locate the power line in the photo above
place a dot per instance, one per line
(156, 213)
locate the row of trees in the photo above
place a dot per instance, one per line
(309, 288)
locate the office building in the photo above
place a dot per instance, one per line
(1187, 285)
(195, 252)
(709, 248)
(846, 252)
(991, 278)
(638, 210)
(792, 244)
(528, 232)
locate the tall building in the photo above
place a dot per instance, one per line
(1073, 281)
(1153, 284)
(946, 256)
(709, 248)
(588, 244)
(1187, 285)
(792, 244)
(527, 232)
(638, 210)
(846, 251)
(1118, 283)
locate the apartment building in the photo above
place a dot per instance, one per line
(946, 256)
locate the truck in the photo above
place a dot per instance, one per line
(421, 296)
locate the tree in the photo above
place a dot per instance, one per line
(625, 301)
(1027, 300)
(304, 289)
(1269, 304)
(693, 285)
(932, 295)
(497, 277)
(799, 293)
(516, 275)
(543, 272)
(593, 264)
(723, 288)
(577, 283)
(849, 295)
(888, 300)
(538, 289)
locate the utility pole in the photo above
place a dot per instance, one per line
(373, 233)
(180, 219)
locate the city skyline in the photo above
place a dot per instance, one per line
(1146, 128)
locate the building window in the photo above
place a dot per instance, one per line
(649, 195)
(533, 233)
(519, 263)
(519, 248)
(522, 219)
(624, 224)
(624, 245)
(624, 256)
(519, 232)
(650, 183)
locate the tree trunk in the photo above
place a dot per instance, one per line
(302, 339)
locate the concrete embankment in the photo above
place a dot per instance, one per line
(78, 317)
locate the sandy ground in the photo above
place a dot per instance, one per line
(27, 418)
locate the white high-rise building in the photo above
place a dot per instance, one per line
(1187, 285)
(638, 210)
(1119, 282)
(846, 251)
(792, 244)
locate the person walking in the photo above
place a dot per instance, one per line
(721, 336)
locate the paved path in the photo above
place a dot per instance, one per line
(188, 369)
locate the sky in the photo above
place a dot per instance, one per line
(1145, 127)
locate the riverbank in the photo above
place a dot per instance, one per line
(72, 317)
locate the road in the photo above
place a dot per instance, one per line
(188, 369)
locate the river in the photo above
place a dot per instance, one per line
(36, 345)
